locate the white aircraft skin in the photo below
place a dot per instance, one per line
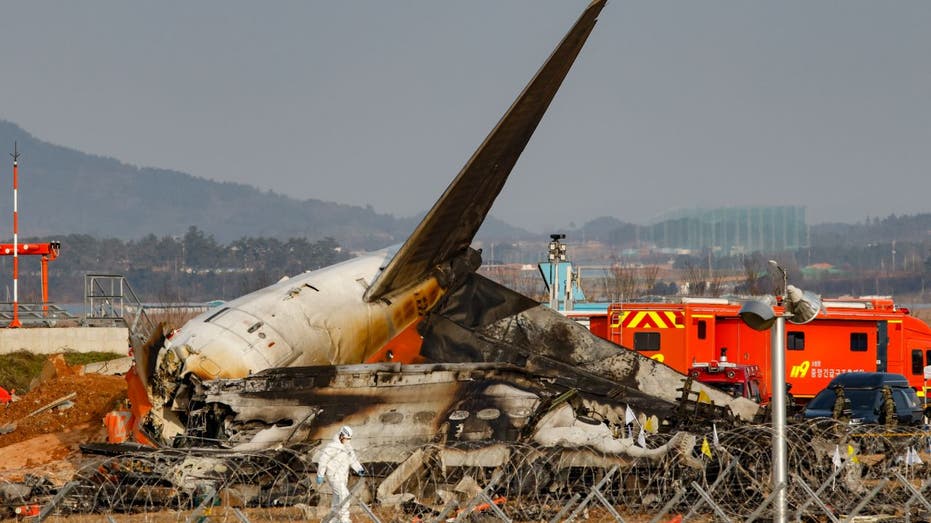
(315, 318)
(344, 313)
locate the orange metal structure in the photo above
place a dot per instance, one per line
(48, 251)
(869, 334)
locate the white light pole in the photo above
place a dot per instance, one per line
(778, 404)
(798, 308)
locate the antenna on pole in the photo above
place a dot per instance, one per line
(15, 322)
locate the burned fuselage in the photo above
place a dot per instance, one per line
(345, 313)
(315, 318)
(491, 348)
(394, 408)
(503, 365)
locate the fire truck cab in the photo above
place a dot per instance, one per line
(736, 379)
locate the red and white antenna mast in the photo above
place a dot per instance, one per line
(15, 155)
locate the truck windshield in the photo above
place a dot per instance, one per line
(860, 399)
(824, 400)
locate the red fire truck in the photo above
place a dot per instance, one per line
(868, 334)
(737, 379)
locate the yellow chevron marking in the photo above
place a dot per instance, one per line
(672, 319)
(619, 319)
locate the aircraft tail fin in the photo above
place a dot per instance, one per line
(450, 226)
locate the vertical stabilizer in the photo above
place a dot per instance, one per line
(448, 229)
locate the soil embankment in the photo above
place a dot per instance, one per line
(46, 443)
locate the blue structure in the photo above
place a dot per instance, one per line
(579, 302)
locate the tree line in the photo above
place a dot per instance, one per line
(194, 267)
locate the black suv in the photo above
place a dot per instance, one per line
(864, 394)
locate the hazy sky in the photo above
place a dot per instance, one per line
(672, 104)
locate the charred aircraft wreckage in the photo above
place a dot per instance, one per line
(285, 365)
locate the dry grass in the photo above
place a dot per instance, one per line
(19, 369)
(83, 358)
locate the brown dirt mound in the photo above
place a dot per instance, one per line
(55, 457)
(96, 395)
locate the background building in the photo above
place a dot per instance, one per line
(730, 230)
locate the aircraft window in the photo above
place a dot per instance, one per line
(391, 418)
(488, 414)
(795, 341)
(858, 341)
(702, 329)
(216, 314)
(918, 363)
(646, 341)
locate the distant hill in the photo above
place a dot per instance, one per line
(64, 191)
(608, 230)
(909, 228)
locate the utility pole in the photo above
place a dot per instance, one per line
(15, 323)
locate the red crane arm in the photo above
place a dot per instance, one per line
(24, 249)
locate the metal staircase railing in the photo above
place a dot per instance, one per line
(109, 300)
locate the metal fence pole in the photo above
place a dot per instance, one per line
(209, 496)
(467, 509)
(869, 497)
(714, 506)
(591, 494)
(601, 498)
(334, 512)
(713, 486)
(668, 506)
(813, 497)
(495, 508)
(916, 493)
(565, 508)
(769, 499)
(47, 509)
(445, 512)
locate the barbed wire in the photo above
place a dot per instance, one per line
(849, 467)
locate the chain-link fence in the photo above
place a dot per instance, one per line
(836, 471)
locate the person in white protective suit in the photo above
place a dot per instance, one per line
(334, 462)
